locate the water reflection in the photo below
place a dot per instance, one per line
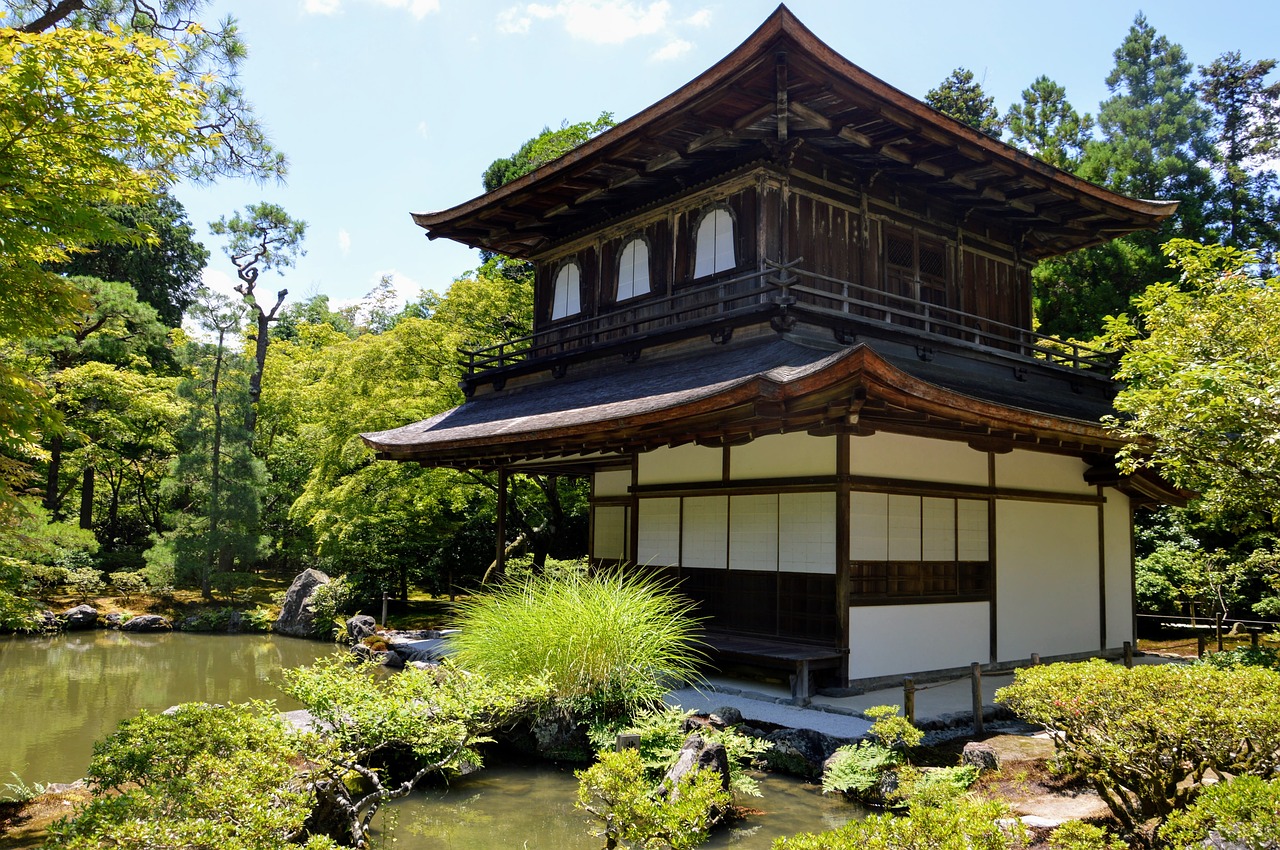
(60, 694)
(531, 807)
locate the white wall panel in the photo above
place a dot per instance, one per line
(889, 640)
(705, 539)
(609, 539)
(612, 482)
(783, 456)
(753, 532)
(1119, 553)
(1025, 470)
(869, 526)
(807, 537)
(918, 459)
(658, 540)
(681, 465)
(1046, 579)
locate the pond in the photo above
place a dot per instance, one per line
(60, 694)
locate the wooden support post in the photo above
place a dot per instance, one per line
(500, 556)
(1254, 636)
(1035, 659)
(1217, 629)
(384, 609)
(975, 671)
(909, 699)
(1128, 654)
(1199, 646)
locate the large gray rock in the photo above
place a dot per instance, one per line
(697, 754)
(361, 626)
(799, 752)
(296, 617)
(80, 617)
(146, 623)
(980, 755)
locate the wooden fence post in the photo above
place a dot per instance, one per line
(1199, 646)
(975, 671)
(1217, 629)
(1035, 659)
(1254, 635)
(909, 699)
(1128, 654)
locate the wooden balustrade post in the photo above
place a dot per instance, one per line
(975, 672)
(909, 699)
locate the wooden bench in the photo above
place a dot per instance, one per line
(801, 659)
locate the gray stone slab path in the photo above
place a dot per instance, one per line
(762, 707)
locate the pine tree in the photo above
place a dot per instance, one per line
(1046, 125)
(962, 97)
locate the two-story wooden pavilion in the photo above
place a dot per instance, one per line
(783, 323)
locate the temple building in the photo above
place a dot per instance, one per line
(783, 323)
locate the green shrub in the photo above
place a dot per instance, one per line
(1078, 835)
(19, 791)
(1244, 656)
(129, 584)
(85, 582)
(1244, 811)
(232, 586)
(857, 769)
(328, 601)
(617, 792)
(1148, 737)
(608, 645)
(221, 620)
(18, 611)
(891, 729)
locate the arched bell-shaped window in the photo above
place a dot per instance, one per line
(566, 300)
(633, 269)
(714, 243)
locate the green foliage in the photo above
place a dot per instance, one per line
(1244, 656)
(608, 644)
(328, 602)
(662, 734)
(891, 729)
(1241, 812)
(129, 584)
(1195, 400)
(543, 148)
(231, 586)
(962, 97)
(857, 769)
(1046, 125)
(221, 620)
(935, 819)
(1078, 835)
(263, 238)
(201, 776)
(19, 791)
(617, 792)
(86, 582)
(1147, 738)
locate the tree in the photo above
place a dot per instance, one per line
(163, 267)
(265, 238)
(204, 60)
(1246, 122)
(216, 479)
(962, 97)
(1200, 401)
(1046, 125)
(543, 148)
(86, 119)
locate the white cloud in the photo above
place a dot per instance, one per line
(700, 18)
(321, 7)
(596, 21)
(418, 8)
(220, 282)
(673, 49)
(344, 242)
(423, 130)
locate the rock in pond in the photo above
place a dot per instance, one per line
(296, 617)
(799, 752)
(79, 617)
(361, 626)
(146, 623)
(696, 754)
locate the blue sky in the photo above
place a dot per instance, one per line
(387, 107)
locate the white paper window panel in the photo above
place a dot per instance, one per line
(937, 529)
(612, 482)
(904, 528)
(633, 270)
(869, 526)
(658, 541)
(972, 530)
(567, 292)
(610, 538)
(807, 533)
(753, 533)
(714, 249)
(705, 540)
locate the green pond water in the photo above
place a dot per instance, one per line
(60, 694)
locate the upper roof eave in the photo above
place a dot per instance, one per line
(782, 28)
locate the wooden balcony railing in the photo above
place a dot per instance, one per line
(847, 307)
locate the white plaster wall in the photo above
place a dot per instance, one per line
(753, 532)
(705, 538)
(658, 540)
(681, 465)
(1119, 553)
(1046, 579)
(887, 640)
(807, 533)
(609, 538)
(612, 482)
(783, 456)
(1026, 470)
(917, 459)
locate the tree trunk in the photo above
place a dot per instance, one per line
(52, 502)
(86, 499)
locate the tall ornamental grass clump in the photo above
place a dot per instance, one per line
(606, 644)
